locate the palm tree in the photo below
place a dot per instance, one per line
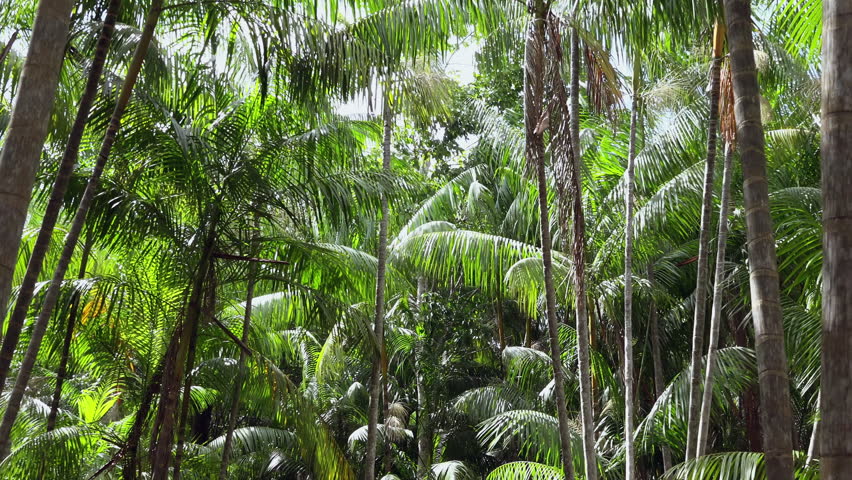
(835, 448)
(23, 142)
(703, 248)
(776, 416)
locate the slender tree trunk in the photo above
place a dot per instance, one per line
(27, 130)
(501, 331)
(174, 369)
(130, 469)
(813, 446)
(62, 370)
(533, 98)
(703, 250)
(52, 294)
(527, 331)
(656, 349)
(379, 327)
(716, 311)
(629, 402)
(836, 400)
(57, 194)
(569, 186)
(8, 47)
(241, 362)
(776, 415)
(424, 427)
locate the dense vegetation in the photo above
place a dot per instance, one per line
(599, 257)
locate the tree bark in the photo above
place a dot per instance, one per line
(701, 287)
(656, 349)
(836, 399)
(813, 445)
(62, 370)
(8, 47)
(716, 311)
(57, 194)
(241, 374)
(130, 469)
(533, 99)
(376, 379)
(424, 428)
(27, 130)
(629, 402)
(52, 294)
(776, 415)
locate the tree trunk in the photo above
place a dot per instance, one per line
(174, 370)
(62, 370)
(533, 98)
(424, 427)
(52, 294)
(241, 374)
(776, 415)
(813, 446)
(8, 47)
(569, 186)
(130, 469)
(703, 250)
(716, 311)
(836, 400)
(57, 194)
(27, 130)
(656, 349)
(501, 330)
(379, 326)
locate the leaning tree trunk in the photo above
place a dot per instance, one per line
(241, 362)
(659, 377)
(776, 415)
(376, 379)
(27, 130)
(533, 111)
(836, 396)
(629, 402)
(716, 311)
(62, 370)
(813, 445)
(57, 194)
(52, 295)
(703, 250)
(130, 468)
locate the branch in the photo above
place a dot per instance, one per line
(8, 47)
(231, 335)
(228, 256)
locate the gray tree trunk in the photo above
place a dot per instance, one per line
(241, 362)
(773, 379)
(424, 427)
(587, 416)
(836, 400)
(703, 259)
(533, 100)
(656, 349)
(716, 311)
(376, 379)
(52, 294)
(27, 130)
(57, 194)
(629, 402)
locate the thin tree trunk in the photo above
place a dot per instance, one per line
(27, 130)
(52, 294)
(776, 415)
(174, 370)
(241, 374)
(57, 194)
(379, 326)
(569, 186)
(813, 446)
(424, 427)
(701, 286)
(62, 370)
(716, 311)
(533, 98)
(130, 469)
(629, 403)
(527, 331)
(8, 48)
(836, 401)
(501, 330)
(656, 349)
